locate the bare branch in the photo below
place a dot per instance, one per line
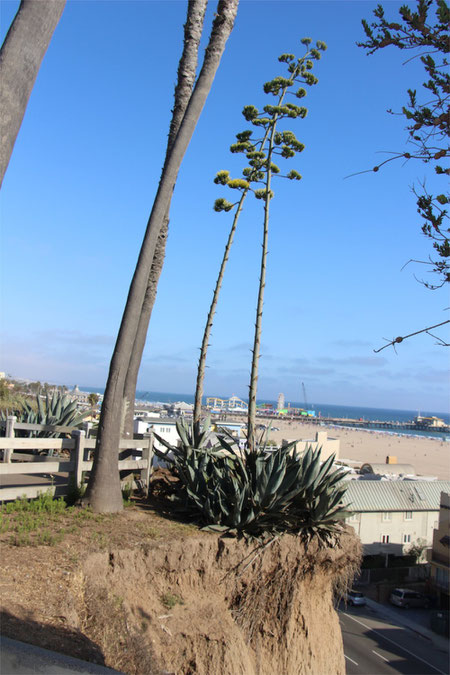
(440, 341)
(397, 340)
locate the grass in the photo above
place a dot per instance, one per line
(169, 600)
(43, 521)
(46, 521)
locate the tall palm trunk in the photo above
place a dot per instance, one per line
(103, 491)
(21, 56)
(187, 70)
(129, 391)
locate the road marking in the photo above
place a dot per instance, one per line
(347, 657)
(381, 657)
(394, 643)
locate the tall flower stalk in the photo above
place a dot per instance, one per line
(260, 171)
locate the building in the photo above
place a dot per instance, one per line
(440, 553)
(280, 402)
(389, 516)
(234, 428)
(388, 469)
(429, 422)
(329, 446)
(82, 397)
(179, 408)
(164, 427)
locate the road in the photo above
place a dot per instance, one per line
(373, 646)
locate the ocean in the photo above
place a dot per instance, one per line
(324, 409)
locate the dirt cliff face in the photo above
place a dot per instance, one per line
(216, 606)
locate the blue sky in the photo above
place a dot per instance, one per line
(79, 188)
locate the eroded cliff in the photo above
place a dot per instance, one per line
(219, 606)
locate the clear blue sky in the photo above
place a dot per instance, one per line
(81, 181)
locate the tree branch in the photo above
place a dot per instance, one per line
(397, 340)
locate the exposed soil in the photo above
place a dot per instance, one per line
(144, 594)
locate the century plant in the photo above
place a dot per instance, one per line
(257, 492)
(261, 494)
(256, 179)
(54, 410)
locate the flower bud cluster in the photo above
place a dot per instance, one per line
(285, 143)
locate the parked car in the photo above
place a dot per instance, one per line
(355, 598)
(404, 597)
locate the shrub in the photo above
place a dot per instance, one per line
(258, 494)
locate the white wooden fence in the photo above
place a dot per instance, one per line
(80, 450)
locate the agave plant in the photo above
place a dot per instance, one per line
(257, 494)
(193, 436)
(54, 410)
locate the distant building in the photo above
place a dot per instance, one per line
(388, 469)
(164, 427)
(180, 408)
(440, 553)
(234, 428)
(82, 397)
(429, 422)
(391, 515)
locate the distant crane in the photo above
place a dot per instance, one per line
(305, 400)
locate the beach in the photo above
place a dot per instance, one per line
(429, 456)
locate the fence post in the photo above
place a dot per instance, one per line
(87, 426)
(79, 436)
(9, 433)
(147, 453)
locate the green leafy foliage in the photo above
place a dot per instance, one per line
(428, 121)
(54, 410)
(222, 205)
(256, 493)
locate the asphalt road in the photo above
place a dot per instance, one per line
(377, 647)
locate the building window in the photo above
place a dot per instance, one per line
(385, 539)
(408, 515)
(387, 517)
(406, 538)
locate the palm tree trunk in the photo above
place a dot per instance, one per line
(129, 391)
(103, 491)
(21, 56)
(187, 70)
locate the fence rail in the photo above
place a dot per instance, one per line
(80, 449)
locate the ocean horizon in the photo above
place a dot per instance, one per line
(321, 409)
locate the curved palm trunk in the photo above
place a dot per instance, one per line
(129, 392)
(187, 70)
(209, 320)
(103, 491)
(21, 56)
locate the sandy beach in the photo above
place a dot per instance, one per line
(429, 457)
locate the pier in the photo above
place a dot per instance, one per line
(373, 424)
(393, 425)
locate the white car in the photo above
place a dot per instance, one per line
(355, 598)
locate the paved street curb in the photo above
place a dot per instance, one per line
(439, 641)
(19, 658)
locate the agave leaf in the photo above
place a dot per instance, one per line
(215, 528)
(41, 409)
